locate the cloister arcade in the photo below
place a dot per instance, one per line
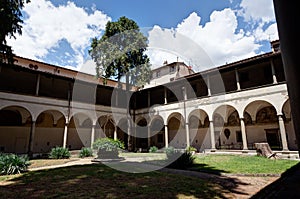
(227, 126)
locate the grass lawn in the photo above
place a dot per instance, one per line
(241, 164)
(100, 181)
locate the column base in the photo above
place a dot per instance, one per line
(245, 151)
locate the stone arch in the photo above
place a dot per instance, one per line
(223, 112)
(196, 118)
(122, 131)
(198, 129)
(289, 125)
(176, 130)
(105, 126)
(253, 107)
(157, 132)
(227, 126)
(49, 131)
(79, 131)
(141, 134)
(19, 112)
(51, 118)
(264, 126)
(15, 128)
(286, 110)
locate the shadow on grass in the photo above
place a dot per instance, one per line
(210, 174)
(100, 181)
(207, 169)
(287, 186)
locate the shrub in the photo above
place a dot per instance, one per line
(86, 152)
(191, 149)
(170, 151)
(13, 164)
(153, 149)
(108, 148)
(108, 144)
(181, 160)
(59, 153)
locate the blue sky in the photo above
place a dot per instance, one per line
(202, 33)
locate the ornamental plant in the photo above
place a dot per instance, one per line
(85, 152)
(153, 149)
(13, 164)
(108, 148)
(59, 153)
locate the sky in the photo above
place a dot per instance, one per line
(201, 33)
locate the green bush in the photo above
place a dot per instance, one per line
(170, 151)
(13, 164)
(191, 149)
(153, 149)
(108, 144)
(108, 148)
(86, 152)
(181, 160)
(59, 153)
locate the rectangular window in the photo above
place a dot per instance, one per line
(157, 73)
(172, 69)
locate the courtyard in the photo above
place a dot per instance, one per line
(238, 176)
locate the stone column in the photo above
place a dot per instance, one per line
(165, 96)
(115, 134)
(238, 86)
(208, 86)
(166, 136)
(212, 135)
(187, 130)
(37, 88)
(93, 134)
(117, 98)
(31, 138)
(244, 136)
(65, 135)
(149, 136)
(273, 72)
(282, 133)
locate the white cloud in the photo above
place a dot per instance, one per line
(47, 25)
(270, 33)
(258, 10)
(217, 42)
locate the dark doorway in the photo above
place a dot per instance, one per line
(273, 139)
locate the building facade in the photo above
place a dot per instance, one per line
(230, 107)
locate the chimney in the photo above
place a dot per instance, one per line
(275, 46)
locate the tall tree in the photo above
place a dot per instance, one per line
(120, 52)
(10, 24)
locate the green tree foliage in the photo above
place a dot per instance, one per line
(120, 52)
(10, 24)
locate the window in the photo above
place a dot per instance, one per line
(239, 136)
(172, 69)
(158, 73)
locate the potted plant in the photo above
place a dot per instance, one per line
(108, 148)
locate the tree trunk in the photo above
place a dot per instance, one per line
(263, 149)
